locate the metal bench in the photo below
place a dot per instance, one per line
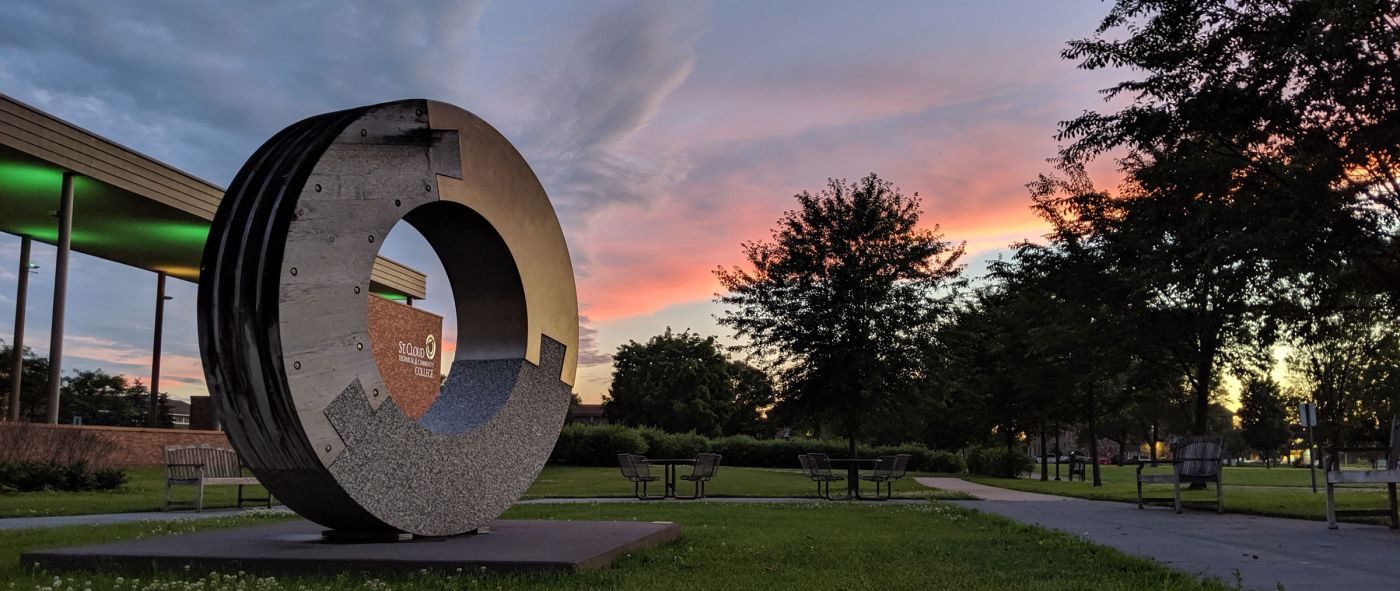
(888, 470)
(635, 469)
(1194, 460)
(818, 468)
(200, 466)
(706, 466)
(1388, 476)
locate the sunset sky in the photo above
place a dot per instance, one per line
(665, 133)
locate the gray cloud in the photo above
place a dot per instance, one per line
(200, 84)
(603, 87)
(588, 353)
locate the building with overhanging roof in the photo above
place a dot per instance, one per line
(73, 189)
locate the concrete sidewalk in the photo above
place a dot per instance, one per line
(13, 523)
(1265, 551)
(984, 492)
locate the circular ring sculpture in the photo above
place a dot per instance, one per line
(283, 319)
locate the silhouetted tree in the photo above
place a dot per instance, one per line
(841, 301)
(683, 382)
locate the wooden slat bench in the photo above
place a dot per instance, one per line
(1389, 476)
(1194, 460)
(201, 466)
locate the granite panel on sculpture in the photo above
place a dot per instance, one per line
(283, 314)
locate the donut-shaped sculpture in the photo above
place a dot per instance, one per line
(283, 319)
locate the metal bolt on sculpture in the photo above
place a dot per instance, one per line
(283, 320)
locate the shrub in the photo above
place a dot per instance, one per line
(28, 476)
(998, 462)
(661, 444)
(596, 445)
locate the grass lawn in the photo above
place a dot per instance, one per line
(143, 490)
(1282, 492)
(735, 547)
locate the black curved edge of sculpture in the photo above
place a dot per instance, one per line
(283, 322)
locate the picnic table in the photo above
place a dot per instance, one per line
(669, 464)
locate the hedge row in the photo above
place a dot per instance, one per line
(997, 461)
(26, 476)
(598, 445)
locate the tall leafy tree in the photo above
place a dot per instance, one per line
(1261, 144)
(1264, 418)
(683, 382)
(840, 301)
(34, 384)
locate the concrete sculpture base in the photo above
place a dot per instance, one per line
(298, 548)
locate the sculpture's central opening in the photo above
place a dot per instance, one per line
(489, 320)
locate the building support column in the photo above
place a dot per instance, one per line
(153, 420)
(21, 298)
(60, 293)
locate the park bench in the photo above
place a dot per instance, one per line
(706, 466)
(1078, 464)
(888, 470)
(200, 466)
(818, 468)
(1388, 476)
(638, 471)
(1194, 460)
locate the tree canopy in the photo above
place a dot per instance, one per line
(683, 382)
(840, 299)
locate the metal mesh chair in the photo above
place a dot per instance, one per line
(887, 470)
(636, 470)
(821, 470)
(706, 466)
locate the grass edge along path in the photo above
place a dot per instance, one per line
(144, 490)
(804, 545)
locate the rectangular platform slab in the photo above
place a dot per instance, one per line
(298, 548)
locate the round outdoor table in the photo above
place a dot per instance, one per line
(853, 473)
(670, 467)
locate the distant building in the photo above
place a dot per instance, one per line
(179, 413)
(588, 414)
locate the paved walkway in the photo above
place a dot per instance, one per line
(984, 492)
(1265, 551)
(104, 519)
(13, 523)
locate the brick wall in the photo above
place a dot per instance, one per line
(115, 446)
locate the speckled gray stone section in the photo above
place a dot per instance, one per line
(474, 392)
(436, 484)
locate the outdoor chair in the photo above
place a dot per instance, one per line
(1194, 460)
(1388, 476)
(822, 476)
(888, 470)
(200, 466)
(706, 466)
(1078, 464)
(636, 470)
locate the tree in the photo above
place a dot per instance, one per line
(1264, 418)
(34, 387)
(753, 392)
(1298, 94)
(683, 382)
(841, 300)
(100, 398)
